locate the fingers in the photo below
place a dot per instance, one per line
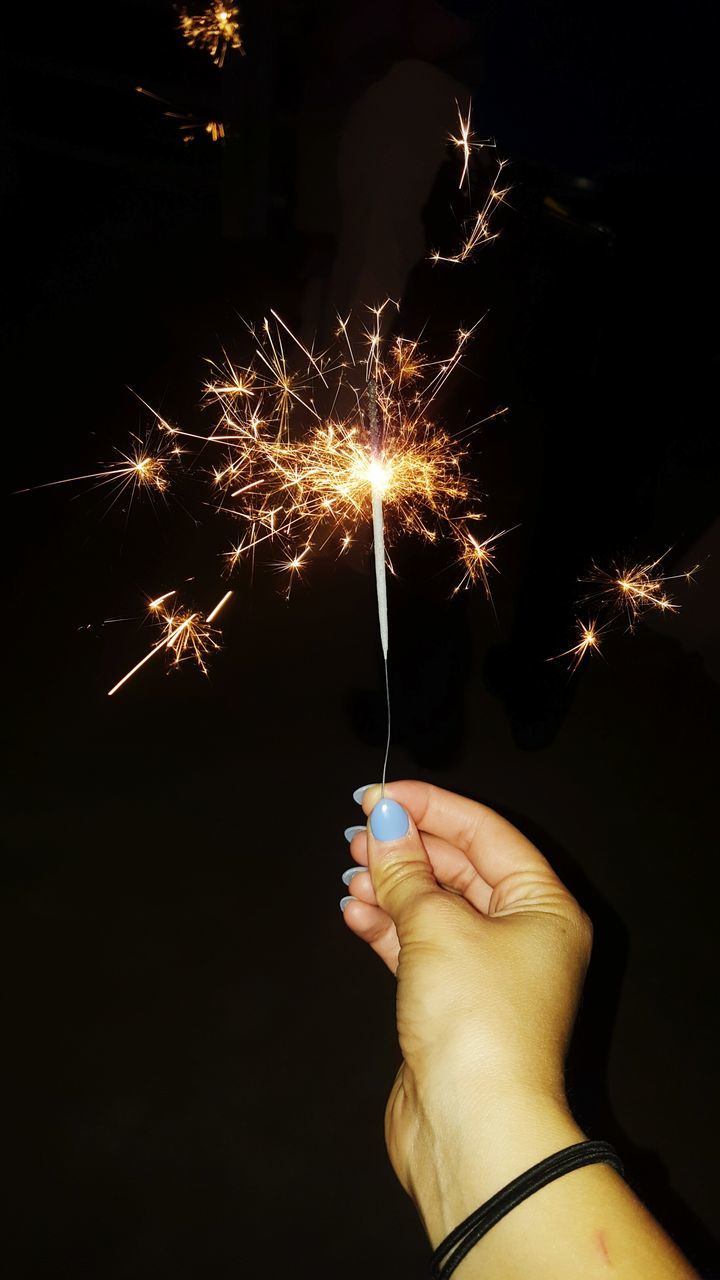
(375, 927)
(399, 865)
(451, 868)
(493, 846)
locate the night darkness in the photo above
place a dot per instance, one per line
(199, 1053)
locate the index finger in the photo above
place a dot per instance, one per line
(494, 846)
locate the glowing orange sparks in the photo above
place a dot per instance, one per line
(216, 30)
(301, 477)
(186, 634)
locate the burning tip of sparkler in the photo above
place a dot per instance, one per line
(379, 476)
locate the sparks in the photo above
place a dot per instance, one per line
(185, 634)
(627, 592)
(189, 126)
(589, 642)
(302, 465)
(633, 590)
(466, 142)
(143, 467)
(216, 30)
(478, 229)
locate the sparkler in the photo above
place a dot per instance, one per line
(216, 29)
(316, 448)
(186, 634)
(304, 476)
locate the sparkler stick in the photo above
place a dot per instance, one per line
(378, 522)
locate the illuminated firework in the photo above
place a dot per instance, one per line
(318, 447)
(311, 452)
(216, 29)
(185, 635)
(629, 592)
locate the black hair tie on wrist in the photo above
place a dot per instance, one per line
(454, 1247)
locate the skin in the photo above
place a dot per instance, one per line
(490, 951)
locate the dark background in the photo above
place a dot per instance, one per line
(198, 1052)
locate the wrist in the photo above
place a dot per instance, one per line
(469, 1152)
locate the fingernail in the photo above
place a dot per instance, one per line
(358, 795)
(351, 831)
(351, 871)
(344, 901)
(389, 821)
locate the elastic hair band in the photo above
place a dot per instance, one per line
(454, 1248)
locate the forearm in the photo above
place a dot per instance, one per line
(587, 1223)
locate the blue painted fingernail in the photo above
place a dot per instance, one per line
(358, 795)
(389, 821)
(351, 871)
(344, 901)
(351, 831)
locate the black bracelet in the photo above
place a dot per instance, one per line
(454, 1247)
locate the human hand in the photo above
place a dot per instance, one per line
(490, 951)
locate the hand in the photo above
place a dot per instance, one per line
(490, 952)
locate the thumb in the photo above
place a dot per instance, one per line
(399, 866)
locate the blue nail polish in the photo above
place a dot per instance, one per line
(389, 821)
(349, 832)
(351, 871)
(358, 795)
(344, 901)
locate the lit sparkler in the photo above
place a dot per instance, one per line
(186, 634)
(215, 29)
(309, 457)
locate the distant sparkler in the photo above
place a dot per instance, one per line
(215, 29)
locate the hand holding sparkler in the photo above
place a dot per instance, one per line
(490, 952)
